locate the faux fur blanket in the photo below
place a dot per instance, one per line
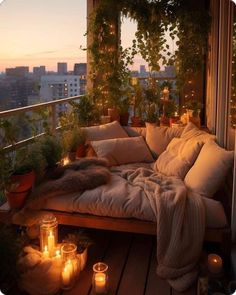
(180, 220)
(85, 174)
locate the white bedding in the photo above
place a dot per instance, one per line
(109, 200)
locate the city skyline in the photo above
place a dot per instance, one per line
(35, 33)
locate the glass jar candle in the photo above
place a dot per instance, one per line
(48, 235)
(100, 278)
(70, 265)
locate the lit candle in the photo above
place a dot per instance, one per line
(45, 252)
(66, 276)
(65, 161)
(100, 282)
(214, 263)
(51, 243)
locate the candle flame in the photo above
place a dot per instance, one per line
(215, 260)
(58, 252)
(45, 248)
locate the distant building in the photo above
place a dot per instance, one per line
(143, 72)
(17, 72)
(59, 86)
(39, 71)
(80, 69)
(62, 68)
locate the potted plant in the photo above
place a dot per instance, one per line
(152, 102)
(73, 143)
(193, 109)
(51, 150)
(26, 163)
(123, 107)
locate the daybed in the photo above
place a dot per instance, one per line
(189, 170)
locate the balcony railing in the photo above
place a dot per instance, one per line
(52, 105)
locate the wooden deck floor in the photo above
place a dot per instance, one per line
(132, 263)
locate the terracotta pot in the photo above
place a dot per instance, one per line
(114, 114)
(24, 181)
(16, 200)
(81, 151)
(136, 121)
(124, 119)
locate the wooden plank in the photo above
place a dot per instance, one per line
(96, 253)
(136, 269)
(116, 259)
(156, 285)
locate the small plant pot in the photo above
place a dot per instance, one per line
(16, 200)
(124, 119)
(24, 181)
(81, 151)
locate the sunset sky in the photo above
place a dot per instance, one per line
(44, 32)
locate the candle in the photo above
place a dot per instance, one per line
(65, 161)
(65, 276)
(214, 263)
(51, 243)
(100, 282)
(45, 252)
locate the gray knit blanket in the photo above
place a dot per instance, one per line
(180, 220)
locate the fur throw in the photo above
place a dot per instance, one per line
(85, 174)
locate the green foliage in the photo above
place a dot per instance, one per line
(72, 138)
(186, 26)
(85, 111)
(51, 150)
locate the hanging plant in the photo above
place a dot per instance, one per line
(155, 19)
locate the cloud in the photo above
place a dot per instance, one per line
(41, 52)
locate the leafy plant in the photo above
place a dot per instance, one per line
(51, 150)
(72, 138)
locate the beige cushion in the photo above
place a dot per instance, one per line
(210, 169)
(158, 138)
(178, 158)
(192, 131)
(123, 150)
(106, 131)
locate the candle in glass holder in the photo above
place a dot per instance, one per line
(100, 278)
(70, 267)
(51, 243)
(48, 234)
(214, 263)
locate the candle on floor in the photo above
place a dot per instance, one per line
(214, 263)
(100, 278)
(51, 243)
(45, 252)
(100, 283)
(66, 276)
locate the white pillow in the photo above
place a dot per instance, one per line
(178, 157)
(210, 169)
(158, 138)
(192, 131)
(123, 150)
(105, 131)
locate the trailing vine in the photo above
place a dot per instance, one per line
(187, 27)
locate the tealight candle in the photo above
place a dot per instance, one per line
(214, 263)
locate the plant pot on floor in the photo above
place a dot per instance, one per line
(114, 114)
(136, 121)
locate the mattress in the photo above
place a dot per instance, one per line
(109, 200)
